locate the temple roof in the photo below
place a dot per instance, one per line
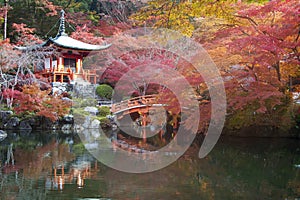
(64, 41)
(70, 43)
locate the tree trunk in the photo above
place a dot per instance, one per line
(5, 19)
(277, 68)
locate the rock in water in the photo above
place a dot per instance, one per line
(95, 124)
(91, 110)
(69, 119)
(5, 115)
(25, 125)
(12, 123)
(3, 135)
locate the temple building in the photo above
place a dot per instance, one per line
(66, 66)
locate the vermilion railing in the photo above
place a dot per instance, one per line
(140, 101)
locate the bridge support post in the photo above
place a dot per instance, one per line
(144, 119)
(175, 122)
(144, 124)
(144, 135)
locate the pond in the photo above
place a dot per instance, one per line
(57, 166)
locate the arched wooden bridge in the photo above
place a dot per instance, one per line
(140, 104)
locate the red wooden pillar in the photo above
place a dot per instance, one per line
(50, 65)
(78, 66)
(63, 171)
(144, 124)
(144, 135)
(144, 119)
(60, 64)
(55, 173)
(175, 122)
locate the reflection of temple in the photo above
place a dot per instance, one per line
(66, 66)
(53, 161)
(62, 175)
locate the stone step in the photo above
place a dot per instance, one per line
(85, 90)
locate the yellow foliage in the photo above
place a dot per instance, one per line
(180, 15)
(289, 70)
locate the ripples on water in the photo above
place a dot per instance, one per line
(57, 166)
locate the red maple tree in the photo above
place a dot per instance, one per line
(32, 100)
(267, 38)
(257, 55)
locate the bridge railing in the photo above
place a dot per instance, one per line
(104, 103)
(136, 101)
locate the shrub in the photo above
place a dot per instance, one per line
(82, 103)
(104, 111)
(105, 123)
(104, 91)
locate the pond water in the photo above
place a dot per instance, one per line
(57, 166)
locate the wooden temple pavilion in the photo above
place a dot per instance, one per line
(66, 66)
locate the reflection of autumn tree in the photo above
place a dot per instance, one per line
(235, 169)
(244, 161)
(41, 167)
(245, 170)
(40, 161)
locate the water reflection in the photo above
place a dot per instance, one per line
(56, 166)
(69, 174)
(130, 154)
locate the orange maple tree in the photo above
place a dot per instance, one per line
(32, 100)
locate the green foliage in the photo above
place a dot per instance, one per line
(79, 149)
(104, 91)
(39, 15)
(26, 144)
(104, 111)
(104, 122)
(278, 117)
(82, 103)
(257, 2)
(79, 114)
(296, 114)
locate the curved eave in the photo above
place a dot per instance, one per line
(67, 42)
(30, 48)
